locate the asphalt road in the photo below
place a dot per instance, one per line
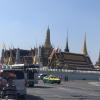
(71, 90)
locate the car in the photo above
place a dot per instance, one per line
(51, 79)
(41, 76)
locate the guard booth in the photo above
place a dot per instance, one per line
(31, 75)
(30, 71)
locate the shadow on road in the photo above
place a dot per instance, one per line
(41, 87)
(32, 97)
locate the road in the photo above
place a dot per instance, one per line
(71, 90)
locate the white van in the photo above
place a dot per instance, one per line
(19, 80)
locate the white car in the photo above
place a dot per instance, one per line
(41, 75)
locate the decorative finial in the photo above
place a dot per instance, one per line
(67, 48)
(85, 46)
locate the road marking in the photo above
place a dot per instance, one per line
(94, 83)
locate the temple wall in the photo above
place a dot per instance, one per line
(74, 75)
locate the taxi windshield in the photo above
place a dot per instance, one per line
(53, 77)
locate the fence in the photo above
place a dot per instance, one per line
(66, 74)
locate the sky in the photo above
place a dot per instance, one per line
(23, 24)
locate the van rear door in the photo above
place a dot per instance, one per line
(20, 82)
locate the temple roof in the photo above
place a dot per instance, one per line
(72, 59)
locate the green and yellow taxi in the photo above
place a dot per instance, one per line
(51, 79)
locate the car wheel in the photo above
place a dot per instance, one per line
(58, 82)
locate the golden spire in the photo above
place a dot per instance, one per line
(10, 61)
(4, 46)
(85, 46)
(3, 53)
(99, 57)
(98, 62)
(32, 51)
(47, 41)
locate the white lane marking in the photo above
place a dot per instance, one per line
(94, 83)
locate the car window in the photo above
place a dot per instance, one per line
(46, 76)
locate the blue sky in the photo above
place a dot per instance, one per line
(23, 23)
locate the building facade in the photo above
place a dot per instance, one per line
(46, 55)
(38, 55)
(68, 60)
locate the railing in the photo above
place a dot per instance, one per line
(66, 70)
